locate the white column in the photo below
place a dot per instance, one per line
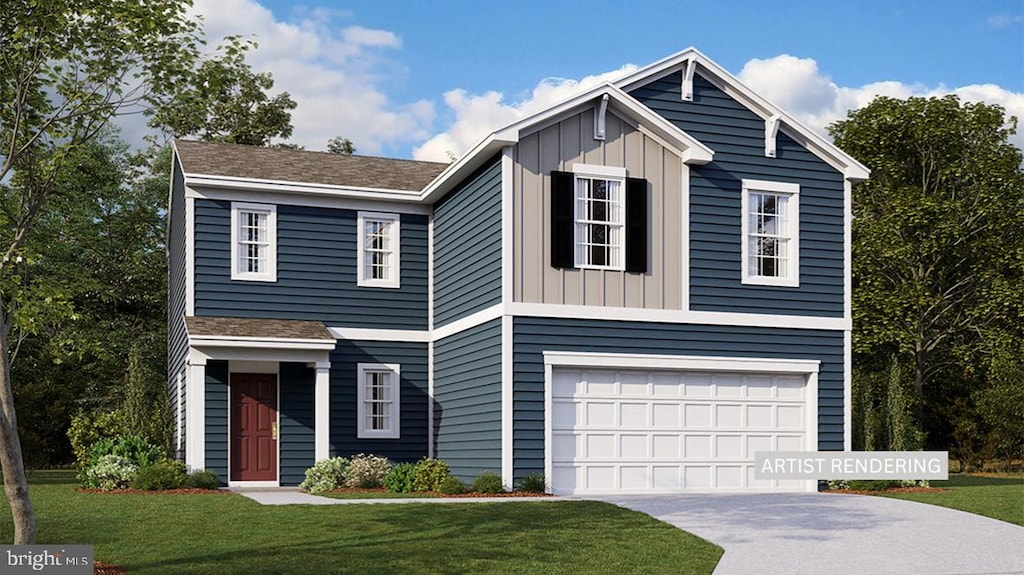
(195, 412)
(322, 412)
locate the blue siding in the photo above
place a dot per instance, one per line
(533, 336)
(412, 357)
(467, 400)
(217, 419)
(467, 246)
(316, 271)
(177, 337)
(297, 421)
(737, 137)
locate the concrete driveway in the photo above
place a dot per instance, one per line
(835, 534)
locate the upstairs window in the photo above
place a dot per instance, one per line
(378, 250)
(254, 243)
(378, 400)
(598, 219)
(771, 224)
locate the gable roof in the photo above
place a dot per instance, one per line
(731, 85)
(235, 161)
(691, 150)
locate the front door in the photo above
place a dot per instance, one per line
(253, 427)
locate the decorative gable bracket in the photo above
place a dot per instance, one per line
(687, 88)
(771, 133)
(600, 113)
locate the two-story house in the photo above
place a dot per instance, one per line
(634, 290)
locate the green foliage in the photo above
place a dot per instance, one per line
(201, 479)
(159, 476)
(401, 478)
(873, 485)
(1000, 404)
(488, 482)
(451, 485)
(533, 483)
(88, 428)
(228, 102)
(366, 471)
(325, 475)
(110, 472)
(430, 474)
(341, 146)
(883, 411)
(134, 448)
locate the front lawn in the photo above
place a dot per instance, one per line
(231, 534)
(1000, 497)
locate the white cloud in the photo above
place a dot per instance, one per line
(332, 71)
(1005, 20)
(477, 115)
(798, 87)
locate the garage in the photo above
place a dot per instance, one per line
(629, 430)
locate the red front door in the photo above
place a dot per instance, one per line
(253, 427)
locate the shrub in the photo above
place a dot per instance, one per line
(533, 483)
(430, 474)
(201, 479)
(325, 475)
(838, 484)
(451, 485)
(873, 485)
(110, 472)
(488, 482)
(132, 447)
(88, 428)
(367, 471)
(401, 478)
(163, 475)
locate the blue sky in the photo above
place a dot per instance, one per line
(422, 78)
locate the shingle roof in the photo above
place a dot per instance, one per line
(256, 328)
(300, 166)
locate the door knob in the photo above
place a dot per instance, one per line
(273, 431)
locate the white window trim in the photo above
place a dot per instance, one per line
(396, 241)
(594, 171)
(271, 210)
(396, 386)
(792, 278)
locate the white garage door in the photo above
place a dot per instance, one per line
(637, 431)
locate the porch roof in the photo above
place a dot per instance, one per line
(257, 329)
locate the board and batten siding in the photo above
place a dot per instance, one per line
(467, 400)
(297, 421)
(736, 134)
(413, 402)
(316, 271)
(533, 336)
(177, 336)
(560, 146)
(216, 407)
(467, 246)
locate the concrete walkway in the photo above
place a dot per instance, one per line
(839, 534)
(286, 496)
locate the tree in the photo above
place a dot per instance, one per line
(66, 69)
(935, 228)
(228, 102)
(339, 145)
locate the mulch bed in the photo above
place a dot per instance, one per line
(371, 492)
(182, 491)
(100, 568)
(890, 490)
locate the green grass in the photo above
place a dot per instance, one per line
(375, 495)
(997, 497)
(226, 534)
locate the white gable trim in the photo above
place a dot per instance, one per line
(688, 59)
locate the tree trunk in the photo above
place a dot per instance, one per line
(15, 482)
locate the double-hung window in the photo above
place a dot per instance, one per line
(254, 242)
(378, 250)
(378, 400)
(771, 239)
(598, 219)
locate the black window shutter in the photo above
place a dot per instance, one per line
(636, 225)
(562, 222)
